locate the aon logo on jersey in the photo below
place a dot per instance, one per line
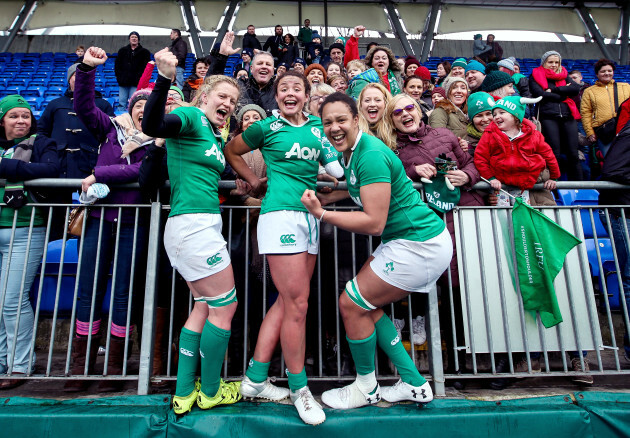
(303, 153)
(214, 150)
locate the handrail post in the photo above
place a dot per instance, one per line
(436, 366)
(148, 319)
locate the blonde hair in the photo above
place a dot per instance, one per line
(356, 63)
(364, 125)
(319, 89)
(390, 135)
(210, 83)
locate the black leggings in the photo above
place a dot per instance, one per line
(562, 136)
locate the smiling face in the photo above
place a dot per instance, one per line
(340, 126)
(16, 123)
(298, 68)
(201, 69)
(474, 78)
(504, 120)
(372, 105)
(246, 58)
(220, 103)
(333, 69)
(262, 68)
(137, 113)
(458, 72)
(411, 69)
(458, 94)
(315, 76)
(482, 120)
(281, 69)
(405, 116)
(291, 95)
(605, 74)
(249, 118)
(414, 88)
(251, 30)
(278, 30)
(339, 84)
(133, 40)
(380, 61)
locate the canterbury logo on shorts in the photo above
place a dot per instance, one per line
(287, 240)
(186, 352)
(213, 260)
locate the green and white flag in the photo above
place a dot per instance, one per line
(541, 246)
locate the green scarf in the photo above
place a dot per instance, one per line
(473, 132)
(394, 88)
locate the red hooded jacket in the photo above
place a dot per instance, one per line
(517, 162)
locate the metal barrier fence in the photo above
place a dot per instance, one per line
(480, 336)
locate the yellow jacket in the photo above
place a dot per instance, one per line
(598, 104)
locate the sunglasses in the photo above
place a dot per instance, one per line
(399, 111)
(174, 96)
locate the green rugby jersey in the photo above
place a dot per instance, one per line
(409, 217)
(292, 154)
(195, 163)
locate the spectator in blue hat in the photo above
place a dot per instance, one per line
(246, 58)
(475, 73)
(299, 65)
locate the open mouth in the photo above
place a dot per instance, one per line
(372, 113)
(222, 113)
(338, 139)
(316, 80)
(407, 121)
(290, 104)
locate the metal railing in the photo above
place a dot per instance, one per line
(341, 256)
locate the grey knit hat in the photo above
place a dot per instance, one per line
(450, 81)
(250, 107)
(71, 70)
(506, 63)
(548, 54)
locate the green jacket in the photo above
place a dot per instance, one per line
(306, 35)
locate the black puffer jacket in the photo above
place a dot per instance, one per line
(130, 65)
(617, 169)
(552, 105)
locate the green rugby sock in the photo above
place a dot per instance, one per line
(188, 362)
(392, 345)
(297, 381)
(257, 371)
(362, 351)
(214, 343)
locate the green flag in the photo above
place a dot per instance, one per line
(541, 246)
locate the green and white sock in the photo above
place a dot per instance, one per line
(363, 351)
(214, 343)
(297, 381)
(391, 344)
(188, 362)
(257, 371)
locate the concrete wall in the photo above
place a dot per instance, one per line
(454, 48)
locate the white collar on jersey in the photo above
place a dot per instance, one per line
(356, 142)
(276, 113)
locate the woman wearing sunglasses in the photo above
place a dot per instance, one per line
(412, 236)
(417, 146)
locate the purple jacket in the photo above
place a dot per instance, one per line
(110, 168)
(423, 148)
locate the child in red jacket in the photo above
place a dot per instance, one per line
(511, 151)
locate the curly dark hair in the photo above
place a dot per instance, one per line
(307, 86)
(393, 65)
(603, 63)
(343, 98)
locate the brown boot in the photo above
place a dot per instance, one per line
(79, 353)
(115, 366)
(161, 330)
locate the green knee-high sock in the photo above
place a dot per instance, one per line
(362, 351)
(188, 362)
(391, 344)
(214, 343)
(257, 371)
(297, 381)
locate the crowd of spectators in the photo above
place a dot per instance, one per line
(472, 112)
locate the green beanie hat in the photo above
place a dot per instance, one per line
(459, 62)
(515, 105)
(13, 101)
(495, 78)
(178, 90)
(479, 102)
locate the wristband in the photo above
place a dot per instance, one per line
(322, 216)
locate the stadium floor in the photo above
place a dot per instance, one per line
(531, 407)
